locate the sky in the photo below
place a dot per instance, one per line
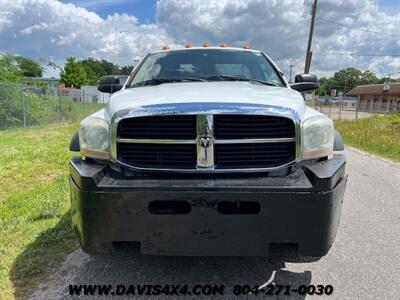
(348, 33)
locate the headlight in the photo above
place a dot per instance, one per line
(317, 137)
(94, 138)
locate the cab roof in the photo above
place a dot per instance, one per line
(205, 48)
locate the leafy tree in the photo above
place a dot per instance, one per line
(94, 70)
(9, 71)
(388, 79)
(369, 77)
(73, 74)
(97, 68)
(109, 67)
(29, 67)
(126, 70)
(346, 79)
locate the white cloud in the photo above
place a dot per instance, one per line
(48, 29)
(281, 29)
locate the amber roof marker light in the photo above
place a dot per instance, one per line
(206, 44)
(222, 45)
(188, 45)
(246, 46)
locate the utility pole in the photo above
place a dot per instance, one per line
(310, 36)
(290, 74)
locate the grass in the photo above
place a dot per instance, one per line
(35, 231)
(378, 135)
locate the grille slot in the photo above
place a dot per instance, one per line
(159, 127)
(254, 155)
(251, 126)
(164, 156)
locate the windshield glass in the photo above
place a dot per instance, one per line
(206, 64)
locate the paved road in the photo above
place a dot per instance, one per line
(364, 262)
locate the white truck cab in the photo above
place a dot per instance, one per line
(206, 151)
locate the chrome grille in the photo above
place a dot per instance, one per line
(253, 155)
(250, 126)
(166, 127)
(181, 156)
(216, 143)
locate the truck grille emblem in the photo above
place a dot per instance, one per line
(205, 142)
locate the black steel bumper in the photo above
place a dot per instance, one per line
(198, 216)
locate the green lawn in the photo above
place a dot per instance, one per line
(34, 203)
(378, 134)
(35, 231)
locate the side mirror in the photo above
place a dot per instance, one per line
(112, 83)
(305, 82)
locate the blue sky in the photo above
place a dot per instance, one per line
(390, 6)
(144, 10)
(348, 33)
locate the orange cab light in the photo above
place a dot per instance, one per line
(166, 47)
(222, 45)
(206, 44)
(246, 46)
(188, 45)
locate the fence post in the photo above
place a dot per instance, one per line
(340, 107)
(59, 108)
(23, 105)
(358, 101)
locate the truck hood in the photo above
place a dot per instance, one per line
(206, 97)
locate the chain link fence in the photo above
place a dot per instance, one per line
(24, 105)
(346, 108)
(30, 105)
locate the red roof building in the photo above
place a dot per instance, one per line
(378, 97)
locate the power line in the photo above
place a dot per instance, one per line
(357, 28)
(356, 54)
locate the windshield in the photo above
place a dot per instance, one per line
(206, 65)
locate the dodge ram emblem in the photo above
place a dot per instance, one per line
(204, 142)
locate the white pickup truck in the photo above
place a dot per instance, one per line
(207, 151)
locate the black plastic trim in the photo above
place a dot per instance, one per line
(74, 145)
(302, 208)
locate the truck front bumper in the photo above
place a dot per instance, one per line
(209, 216)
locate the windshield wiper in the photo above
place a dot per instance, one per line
(156, 81)
(237, 78)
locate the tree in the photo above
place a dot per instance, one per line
(346, 79)
(73, 74)
(349, 77)
(94, 70)
(97, 68)
(126, 70)
(369, 77)
(9, 71)
(109, 67)
(29, 67)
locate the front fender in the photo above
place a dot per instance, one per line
(338, 144)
